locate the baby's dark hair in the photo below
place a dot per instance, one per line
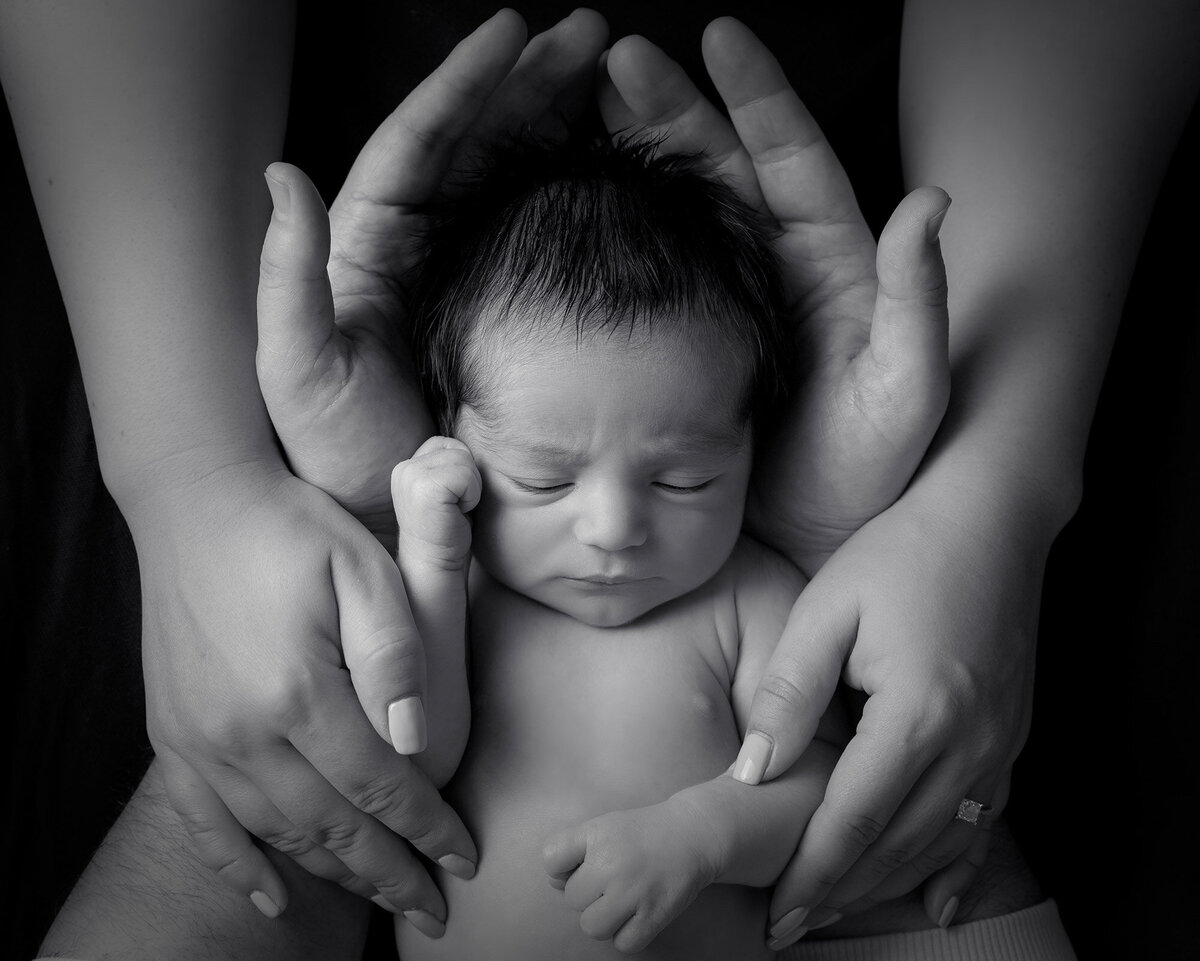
(603, 237)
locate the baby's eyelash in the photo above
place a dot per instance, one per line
(676, 489)
(532, 489)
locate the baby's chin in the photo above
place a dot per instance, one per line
(618, 607)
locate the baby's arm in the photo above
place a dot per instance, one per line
(632, 872)
(432, 493)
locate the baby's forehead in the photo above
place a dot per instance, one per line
(554, 390)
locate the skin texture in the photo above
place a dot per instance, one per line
(617, 452)
(597, 460)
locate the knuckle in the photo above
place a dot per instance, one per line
(287, 840)
(777, 695)
(863, 829)
(287, 698)
(398, 652)
(374, 797)
(926, 862)
(889, 859)
(408, 890)
(412, 816)
(340, 837)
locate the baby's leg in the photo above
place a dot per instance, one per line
(145, 895)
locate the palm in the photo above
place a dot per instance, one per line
(335, 366)
(858, 422)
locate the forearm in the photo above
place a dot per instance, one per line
(144, 129)
(1050, 124)
(754, 830)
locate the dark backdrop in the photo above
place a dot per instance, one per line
(1102, 803)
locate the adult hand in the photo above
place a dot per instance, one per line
(952, 681)
(931, 611)
(253, 703)
(333, 357)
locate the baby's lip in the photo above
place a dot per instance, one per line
(607, 580)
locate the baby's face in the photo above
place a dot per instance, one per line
(614, 470)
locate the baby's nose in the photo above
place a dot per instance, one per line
(612, 519)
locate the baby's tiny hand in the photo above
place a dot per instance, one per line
(631, 873)
(433, 491)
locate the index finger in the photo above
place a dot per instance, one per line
(338, 740)
(872, 778)
(550, 83)
(652, 90)
(404, 161)
(801, 178)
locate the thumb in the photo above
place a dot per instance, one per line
(295, 304)
(383, 650)
(910, 331)
(563, 852)
(798, 684)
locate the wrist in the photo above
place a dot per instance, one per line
(190, 480)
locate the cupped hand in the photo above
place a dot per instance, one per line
(333, 360)
(870, 323)
(302, 616)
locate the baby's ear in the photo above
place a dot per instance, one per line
(295, 303)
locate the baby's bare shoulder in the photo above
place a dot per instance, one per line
(755, 571)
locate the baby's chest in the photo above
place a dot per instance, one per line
(611, 717)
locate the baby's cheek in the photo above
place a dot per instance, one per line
(508, 543)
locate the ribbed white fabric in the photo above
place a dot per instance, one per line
(1034, 934)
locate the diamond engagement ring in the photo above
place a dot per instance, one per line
(971, 811)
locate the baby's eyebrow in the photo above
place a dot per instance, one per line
(708, 442)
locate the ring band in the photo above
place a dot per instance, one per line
(971, 811)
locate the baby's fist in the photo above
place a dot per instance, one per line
(432, 492)
(630, 873)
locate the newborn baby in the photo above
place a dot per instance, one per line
(600, 336)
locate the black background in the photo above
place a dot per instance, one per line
(1103, 802)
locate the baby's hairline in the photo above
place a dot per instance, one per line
(553, 322)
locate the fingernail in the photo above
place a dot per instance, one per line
(281, 194)
(406, 725)
(263, 902)
(788, 923)
(752, 759)
(457, 865)
(948, 913)
(426, 923)
(934, 226)
(833, 918)
(385, 904)
(787, 940)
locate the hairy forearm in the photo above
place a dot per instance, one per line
(144, 129)
(1050, 124)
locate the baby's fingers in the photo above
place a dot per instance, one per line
(295, 305)
(562, 853)
(608, 915)
(222, 844)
